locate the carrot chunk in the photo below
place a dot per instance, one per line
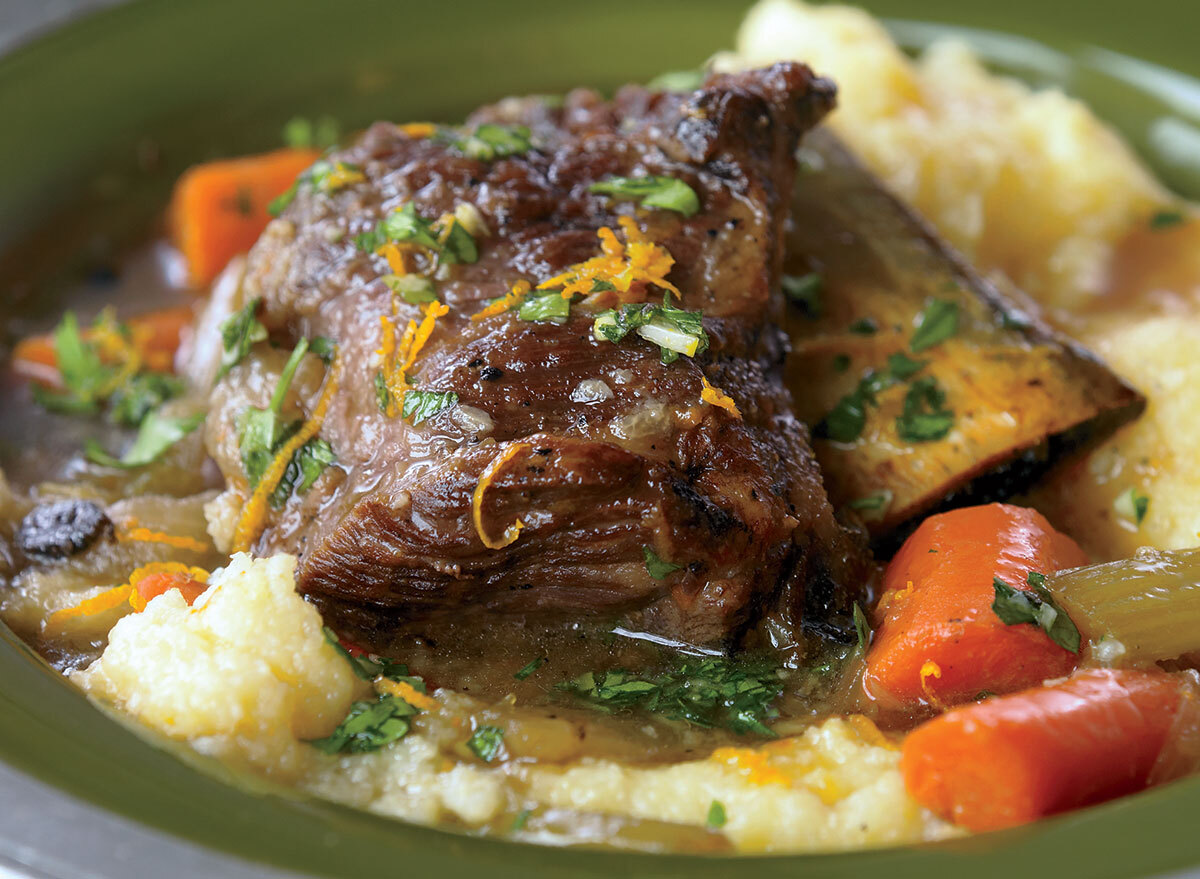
(936, 610)
(219, 209)
(157, 584)
(1017, 758)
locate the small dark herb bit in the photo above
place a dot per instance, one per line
(158, 432)
(901, 366)
(529, 669)
(651, 191)
(841, 362)
(805, 291)
(324, 347)
(708, 692)
(925, 417)
(599, 285)
(419, 406)
(1166, 219)
(1132, 505)
(368, 727)
(873, 502)
(520, 820)
(485, 742)
(1037, 608)
(545, 308)
(382, 395)
(239, 332)
(864, 326)
(657, 567)
(937, 323)
(716, 815)
(862, 628)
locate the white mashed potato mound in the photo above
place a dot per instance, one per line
(245, 675)
(1027, 183)
(830, 788)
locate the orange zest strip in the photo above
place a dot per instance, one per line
(251, 523)
(513, 531)
(418, 129)
(930, 669)
(754, 765)
(717, 397)
(106, 600)
(396, 256)
(342, 176)
(628, 268)
(115, 347)
(407, 692)
(398, 358)
(511, 299)
(133, 533)
(136, 599)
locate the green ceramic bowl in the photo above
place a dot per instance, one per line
(100, 116)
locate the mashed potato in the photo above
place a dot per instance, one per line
(247, 675)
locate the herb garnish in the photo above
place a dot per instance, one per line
(805, 291)
(862, 628)
(485, 742)
(651, 191)
(405, 225)
(674, 330)
(519, 821)
(716, 815)
(420, 406)
(529, 669)
(322, 176)
(707, 692)
(1132, 505)
(156, 434)
(302, 133)
(412, 288)
(925, 416)
(368, 727)
(657, 567)
(369, 666)
(876, 501)
(1037, 608)
(488, 141)
(1166, 219)
(937, 323)
(131, 402)
(239, 332)
(864, 326)
(545, 308)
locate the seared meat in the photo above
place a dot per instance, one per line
(598, 448)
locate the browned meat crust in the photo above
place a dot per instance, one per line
(738, 503)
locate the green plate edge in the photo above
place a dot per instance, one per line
(219, 78)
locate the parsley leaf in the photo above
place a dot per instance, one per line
(368, 727)
(1166, 219)
(529, 669)
(488, 141)
(876, 501)
(519, 821)
(862, 628)
(902, 366)
(706, 692)
(413, 289)
(382, 395)
(716, 815)
(937, 323)
(657, 567)
(239, 332)
(1037, 608)
(546, 308)
(143, 393)
(674, 330)
(307, 464)
(407, 226)
(805, 291)
(651, 191)
(485, 742)
(925, 417)
(1131, 504)
(422, 405)
(156, 434)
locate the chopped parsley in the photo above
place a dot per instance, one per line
(901, 366)
(925, 416)
(864, 326)
(405, 225)
(413, 289)
(875, 502)
(488, 141)
(1037, 608)
(937, 323)
(156, 434)
(261, 434)
(716, 815)
(862, 628)
(805, 291)
(657, 567)
(486, 742)
(383, 397)
(139, 396)
(520, 820)
(369, 666)
(707, 692)
(841, 362)
(651, 191)
(1131, 504)
(239, 332)
(545, 308)
(420, 406)
(848, 417)
(1166, 219)
(322, 176)
(529, 669)
(368, 727)
(674, 330)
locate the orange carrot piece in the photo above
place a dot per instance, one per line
(938, 641)
(156, 335)
(219, 209)
(155, 585)
(1017, 758)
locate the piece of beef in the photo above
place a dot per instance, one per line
(618, 450)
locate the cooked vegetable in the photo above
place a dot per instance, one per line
(1020, 396)
(667, 193)
(62, 529)
(157, 583)
(157, 433)
(1013, 759)
(938, 640)
(1149, 604)
(219, 209)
